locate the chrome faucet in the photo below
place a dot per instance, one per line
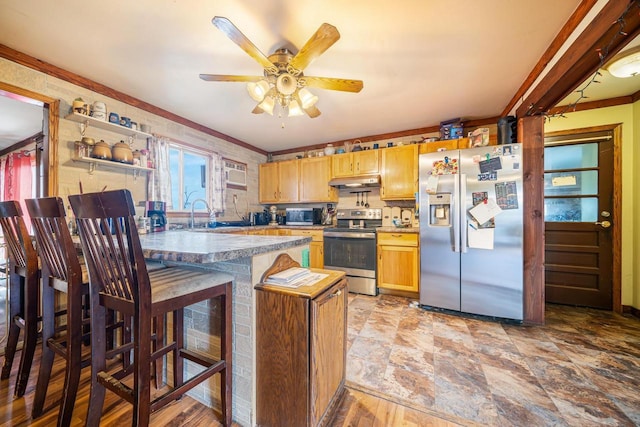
(193, 205)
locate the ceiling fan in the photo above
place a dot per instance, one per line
(284, 82)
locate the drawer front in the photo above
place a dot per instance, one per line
(398, 239)
(316, 235)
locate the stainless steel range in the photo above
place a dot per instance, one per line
(351, 247)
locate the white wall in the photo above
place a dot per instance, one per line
(72, 173)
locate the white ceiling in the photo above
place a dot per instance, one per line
(422, 61)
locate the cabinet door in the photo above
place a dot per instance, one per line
(328, 348)
(316, 255)
(315, 173)
(399, 173)
(288, 181)
(398, 268)
(366, 162)
(268, 183)
(342, 165)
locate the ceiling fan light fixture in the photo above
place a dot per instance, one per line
(257, 91)
(286, 84)
(625, 64)
(307, 98)
(267, 105)
(294, 109)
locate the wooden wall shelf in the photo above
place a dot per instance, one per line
(112, 127)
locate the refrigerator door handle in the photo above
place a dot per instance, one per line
(456, 213)
(463, 212)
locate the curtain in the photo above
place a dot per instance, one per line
(18, 170)
(218, 184)
(159, 186)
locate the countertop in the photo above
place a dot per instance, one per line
(300, 227)
(205, 248)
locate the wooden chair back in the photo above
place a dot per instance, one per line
(55, 245)
(16, 236)
(111, 247)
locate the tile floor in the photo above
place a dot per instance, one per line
(582, 368)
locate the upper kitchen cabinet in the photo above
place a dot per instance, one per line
(399, 172)
(278, 182)
(315, 173)
(356, 163)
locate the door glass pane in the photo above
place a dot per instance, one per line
(571, 156)
(571, 183)
(582, 209)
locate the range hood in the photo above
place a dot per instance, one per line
(356, 181)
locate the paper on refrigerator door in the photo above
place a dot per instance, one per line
(479, 238)
(432, 184)
(483, 212)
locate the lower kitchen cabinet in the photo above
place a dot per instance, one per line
(398, 261)
(301, 338)
(316, 247)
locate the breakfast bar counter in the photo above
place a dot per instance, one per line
(246, 258)
(204, 248)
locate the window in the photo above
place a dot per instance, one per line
(189, 171)
(571, 183)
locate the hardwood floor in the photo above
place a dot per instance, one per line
(357, 408)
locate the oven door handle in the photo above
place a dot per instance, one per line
(350, 235)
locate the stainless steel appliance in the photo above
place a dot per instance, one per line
(471, 230)
(303, 216)
(351, 247)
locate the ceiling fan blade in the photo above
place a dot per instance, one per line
(333, 83)
(228, 78)
(257, 110)
(312, 112)
(322, 40)
(236, 36)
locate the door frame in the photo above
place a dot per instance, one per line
(616, 129)
(50, 143)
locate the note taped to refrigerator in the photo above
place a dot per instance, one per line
(491, 164)
(483, 212)
(479, 238)
(507, 195)
(431, 187)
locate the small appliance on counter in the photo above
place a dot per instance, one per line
(157, 213)
(303, 216)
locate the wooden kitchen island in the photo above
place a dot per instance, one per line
(246, 258)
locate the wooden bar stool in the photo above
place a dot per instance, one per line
(63, 272)
(119, 280)
(24, 276)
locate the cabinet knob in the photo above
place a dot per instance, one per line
(336, 293)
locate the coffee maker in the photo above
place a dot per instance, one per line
(157, 213)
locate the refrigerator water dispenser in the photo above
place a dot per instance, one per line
(440, 210)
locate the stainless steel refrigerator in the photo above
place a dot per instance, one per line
(471, 230)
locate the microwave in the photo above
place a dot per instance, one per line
(303, 216)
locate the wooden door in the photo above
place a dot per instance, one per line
(398, 268)
(342, 165)
(316, 255)
(328, 349)
(315, 173)
(288, 181)
(268, 183)
(366, 162)
(578, 194)
(399, 173)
